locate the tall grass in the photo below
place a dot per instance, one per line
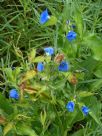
(19, 23)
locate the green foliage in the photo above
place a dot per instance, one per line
(5, 105)
(51, 21)
(41, 108)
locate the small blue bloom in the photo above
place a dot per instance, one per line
(70, 106)
(64, 66)
(71, 35)
(40, 67)
(85, 110)
(44, 17)
(13, 94)
(73, 26)
(49, 51)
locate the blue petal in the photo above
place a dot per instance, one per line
(70, 106)
(44, 17)
(14, 94)
(85, 110)
(40, 67)
(49, 51)
(64, 66)
(71, 35)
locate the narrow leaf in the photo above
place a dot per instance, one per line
(29, 75)
(51, 21)
(85, 94)
(95, 118)
(8, 127)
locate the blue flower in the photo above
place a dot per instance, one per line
(73, 26)
(49, 51)
(13, 94)
(64, 66)
(70, 106)
(40, 67)
(85, 110)
(44, 17)
(71, 35)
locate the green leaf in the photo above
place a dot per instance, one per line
(85, 94)
(5, 105)
(18, 52)
(74, 117)
(29, 75)
(31, 56)
(95, 118)
(43, 117)
(79, 133)
(98, 72)
(79, 22)
(12, 75)
(23, 129)
(7, 128)
(95, 44)
(96, 85)
(51, 21)
(9, 74)
(16, 72)
(94, 106)
(48, 59)
(39, 59)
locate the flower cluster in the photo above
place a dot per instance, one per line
(44, 17)
(71, 105)
(63, 67)
(63, 64)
